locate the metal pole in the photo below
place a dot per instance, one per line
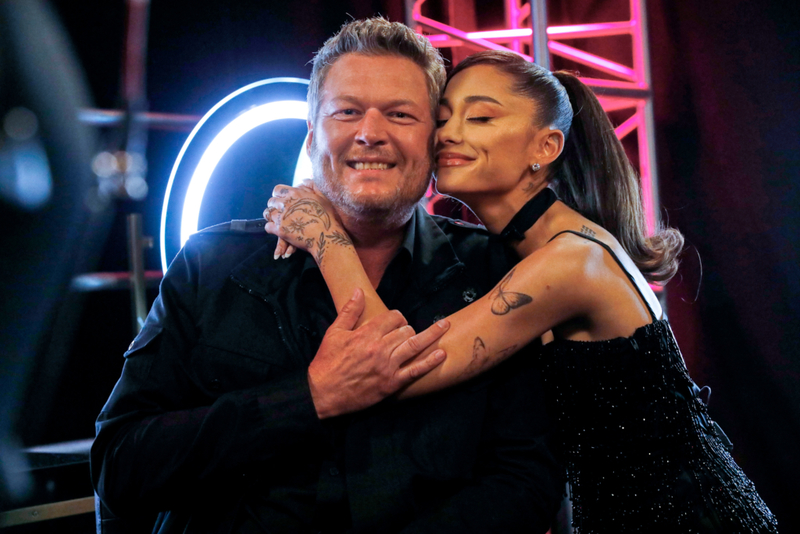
(512, 22)
(136, 245)
(541, 55)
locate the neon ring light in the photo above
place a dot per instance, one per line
(231, 118)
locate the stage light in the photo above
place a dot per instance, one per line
(240, 114)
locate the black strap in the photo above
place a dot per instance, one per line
(616, 259)
(528, 215)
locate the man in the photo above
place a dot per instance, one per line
(227, 414)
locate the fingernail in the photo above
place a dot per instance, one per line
(444, 323)
(286, 255)
(438, 354)
(276, 256)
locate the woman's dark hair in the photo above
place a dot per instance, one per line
(593, 174)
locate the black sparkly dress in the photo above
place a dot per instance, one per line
(641, 452)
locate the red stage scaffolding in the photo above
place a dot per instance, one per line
(626, 89)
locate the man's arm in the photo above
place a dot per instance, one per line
(161, 438)
(164, 435)
(518, 484)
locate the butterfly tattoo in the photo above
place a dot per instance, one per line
(504, 301)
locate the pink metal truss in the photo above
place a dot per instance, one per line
(628, 88)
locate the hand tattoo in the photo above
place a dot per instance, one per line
(296, 227)
(504, 301)
(312, 208)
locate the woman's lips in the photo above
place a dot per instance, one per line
(452, 159)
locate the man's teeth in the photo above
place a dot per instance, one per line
(360, 166)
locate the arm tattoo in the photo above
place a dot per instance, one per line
(508, 351)
(480, 357)
(312, 208)
(585, 230)
(339, 238)
(321, 249)
(504, 301)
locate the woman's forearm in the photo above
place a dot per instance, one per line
(343, 273)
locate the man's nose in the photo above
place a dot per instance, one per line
(372, 129)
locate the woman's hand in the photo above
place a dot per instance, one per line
(303, 218)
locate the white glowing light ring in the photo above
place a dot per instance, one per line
(252, 118)
(286, 109)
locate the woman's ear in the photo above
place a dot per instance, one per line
(547, 145)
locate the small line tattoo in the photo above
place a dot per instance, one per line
(508, 351)
(339, 238)
(479, 358)
(321, 243)
(504, 301)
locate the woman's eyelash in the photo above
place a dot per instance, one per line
(480, 119)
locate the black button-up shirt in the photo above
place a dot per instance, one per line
(212, 422)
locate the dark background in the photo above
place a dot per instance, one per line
(726, 77)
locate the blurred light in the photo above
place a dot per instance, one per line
(136, 187)
(25, 178)
(20, 124)
(104, 164)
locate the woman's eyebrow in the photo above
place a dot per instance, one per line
(472, 99)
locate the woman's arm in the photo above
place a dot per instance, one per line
(538, 294)
(303, 218)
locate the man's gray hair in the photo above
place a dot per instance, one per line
(377, 37)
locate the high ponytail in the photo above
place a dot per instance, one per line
(592, 175)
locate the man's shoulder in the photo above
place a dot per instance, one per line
(229, 243)
(236, 227)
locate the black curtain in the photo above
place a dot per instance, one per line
(726, 76)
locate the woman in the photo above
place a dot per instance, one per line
(535, 157)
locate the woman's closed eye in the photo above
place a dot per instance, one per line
(479, 119)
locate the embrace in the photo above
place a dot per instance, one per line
(395, 378)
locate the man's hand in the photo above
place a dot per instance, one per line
(354, 369)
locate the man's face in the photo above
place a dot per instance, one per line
(371, 144)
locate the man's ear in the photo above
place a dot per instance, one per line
(310, 137)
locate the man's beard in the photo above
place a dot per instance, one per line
(392, 208)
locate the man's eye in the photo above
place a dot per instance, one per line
(346, 112)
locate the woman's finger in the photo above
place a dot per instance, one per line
(280, 249)
(289, 251)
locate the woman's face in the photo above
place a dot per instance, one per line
(485, 135)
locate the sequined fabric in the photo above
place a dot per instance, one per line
(641, 453)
